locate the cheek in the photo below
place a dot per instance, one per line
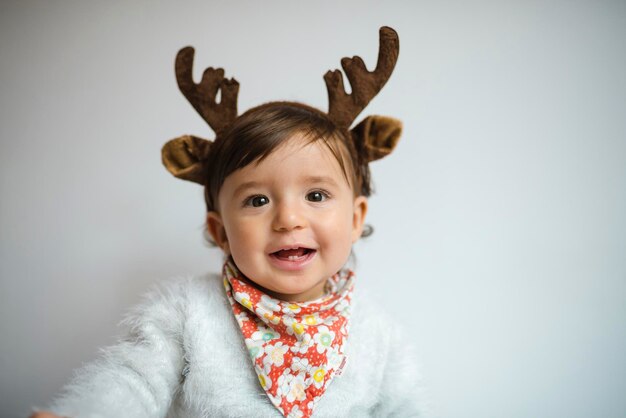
(338, 225)
(337, 242)
(243, 235)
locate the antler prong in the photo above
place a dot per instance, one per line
(202, 96)
(343, 108)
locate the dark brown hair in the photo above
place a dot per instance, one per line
(259, 131)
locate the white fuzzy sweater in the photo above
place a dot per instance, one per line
(185, 357)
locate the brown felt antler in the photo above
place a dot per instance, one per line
(185, 157)
(376, 136)
(343, 108)
(202, 96)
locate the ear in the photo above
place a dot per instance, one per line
(216, 229)
(358, 217)
(377, 136)
(185, 157)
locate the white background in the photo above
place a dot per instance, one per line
(500, 228)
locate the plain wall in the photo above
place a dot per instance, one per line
(500, 232)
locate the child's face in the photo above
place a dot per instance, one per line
(289, 222)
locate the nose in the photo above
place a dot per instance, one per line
(288, 216)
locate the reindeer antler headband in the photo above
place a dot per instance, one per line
(185, 157)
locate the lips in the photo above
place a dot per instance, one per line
(292, 254)
(292, 258)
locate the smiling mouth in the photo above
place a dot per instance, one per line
(293, 254)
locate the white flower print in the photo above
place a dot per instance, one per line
(265, 381)
(343, 307)
(267, 315)
(334, 359)
(300, 364)
(295, 413)
(302, 346)
(283, 383)
(269, 303)
(296, 390)
(265, 335)
(292, 308)
(241, 317)
(291, 387)
(312, 319)
(330, 320)
(275, 354)
(244, 299)
(318, 376)
(323, 339)
(293, 326)
(255, 348)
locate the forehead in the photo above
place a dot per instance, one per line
(299, 153)
(298, 158)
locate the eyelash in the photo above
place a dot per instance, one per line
(325, 195)
(250, 201)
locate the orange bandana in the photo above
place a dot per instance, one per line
(296, 348)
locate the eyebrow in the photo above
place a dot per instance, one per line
(309, 179)
(321, 179)
(245, 186)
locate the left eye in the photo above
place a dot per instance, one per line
(256, 201)
(316, 196)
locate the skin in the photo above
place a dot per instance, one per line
(296, 197)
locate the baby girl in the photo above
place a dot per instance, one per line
(281, 332)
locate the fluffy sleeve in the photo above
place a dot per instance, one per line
(402, 392)
(139, 376)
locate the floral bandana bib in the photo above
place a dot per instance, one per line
(296, 348)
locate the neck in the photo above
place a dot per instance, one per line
(312, 294)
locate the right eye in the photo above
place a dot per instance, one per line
(257, 201)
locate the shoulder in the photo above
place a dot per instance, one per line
(374, 326)
(371, 336)
(373, 323)
(368, 312)
(168, 303)
(401, 389)
(181, 289)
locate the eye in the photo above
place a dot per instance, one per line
(317, 196)
(257, 201)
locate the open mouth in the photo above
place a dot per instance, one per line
(293, 254)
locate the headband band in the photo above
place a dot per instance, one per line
(186, 156)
